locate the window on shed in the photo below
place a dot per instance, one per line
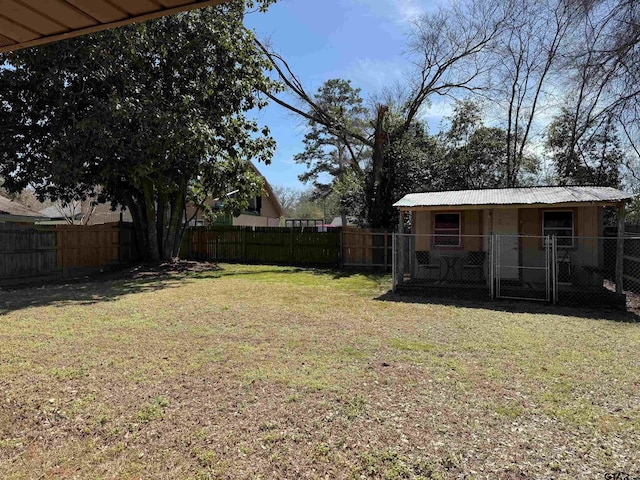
(560, 224)
(447, 229)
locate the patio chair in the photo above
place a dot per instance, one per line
(474, 262)
(424, 261)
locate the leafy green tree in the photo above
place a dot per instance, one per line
(448, 48)
(147, 115)
(410, 155)
(594, 159)
(329, 153)
(475, 155)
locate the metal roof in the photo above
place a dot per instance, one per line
(514, 196)
(25, 23)
(15, 209)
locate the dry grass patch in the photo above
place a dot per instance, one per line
(268, 372)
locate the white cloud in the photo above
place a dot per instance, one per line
(409, 9)
(398, 11)
(372, 75)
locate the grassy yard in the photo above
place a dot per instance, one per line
(267, 372)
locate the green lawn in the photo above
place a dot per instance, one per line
(268, 372)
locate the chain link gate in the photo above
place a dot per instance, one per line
(523, 267)
(602, 271)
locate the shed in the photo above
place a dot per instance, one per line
(529, 236)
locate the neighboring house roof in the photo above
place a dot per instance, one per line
(10, 210)
(41, 22)
(514, 196)
(54, 212)
(270, 193)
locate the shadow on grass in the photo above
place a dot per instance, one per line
(93, 286)
(96, 287)
(262, 268)
(341, 273)
(517, 306)
(87, 292)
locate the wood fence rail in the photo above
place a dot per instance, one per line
(348, 247)
(34, 251)
(40, 251)
(270, 245)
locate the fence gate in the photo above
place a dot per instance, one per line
(522, 267)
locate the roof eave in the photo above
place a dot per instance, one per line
(600, 203)
(108, 25)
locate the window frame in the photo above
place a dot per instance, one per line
(458, 230)
(572, 228)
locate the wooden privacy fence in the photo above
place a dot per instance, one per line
(271, 245)
(348, 247)
(40, 251)
(366, 247)
(28, 251)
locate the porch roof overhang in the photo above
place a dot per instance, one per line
(527, 197)
(27, 23)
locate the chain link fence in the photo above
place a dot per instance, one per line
(569, 270)
(590, 271)
(443, 264)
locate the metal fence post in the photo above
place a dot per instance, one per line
(492, 260)
(554, 271)
(497, 265)
(393, 262)
(619, 275)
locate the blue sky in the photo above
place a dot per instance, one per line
(360, 40)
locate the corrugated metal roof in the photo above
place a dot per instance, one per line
(514, 196)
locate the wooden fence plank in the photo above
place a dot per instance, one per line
(270, 245)
(33, 251)
(366, 247)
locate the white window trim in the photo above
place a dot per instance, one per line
(444, 230)
(573, 224)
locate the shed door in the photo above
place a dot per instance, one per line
(505, 223)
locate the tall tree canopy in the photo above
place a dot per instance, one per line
(594, 159)
(447, 49)
(146, 114)
(330, 155)
(326, 151)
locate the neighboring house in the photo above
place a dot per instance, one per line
(13, 212)
(83, 213)
(263, 211)
(525, 239)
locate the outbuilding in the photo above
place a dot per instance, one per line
(529, 242)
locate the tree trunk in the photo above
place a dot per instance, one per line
(153, 249)
(375, 200)
(174, 224)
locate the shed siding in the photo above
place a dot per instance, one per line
(422, 226)
(472, 225)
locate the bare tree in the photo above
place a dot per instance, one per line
(602, 71)
(76, 212)
(526, 56)
(446, 49)
(289, 197)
